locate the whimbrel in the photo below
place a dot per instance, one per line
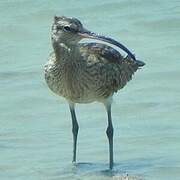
(87, 72)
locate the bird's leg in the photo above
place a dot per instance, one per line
(109, 133)
(75, 128)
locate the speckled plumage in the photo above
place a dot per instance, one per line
(89, 72)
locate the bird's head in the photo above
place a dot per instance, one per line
(65, 30)
(70, 31)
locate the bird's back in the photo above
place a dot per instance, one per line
(111, 71)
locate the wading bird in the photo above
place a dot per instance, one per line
(87, 72)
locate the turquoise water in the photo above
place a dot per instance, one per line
(35, 124)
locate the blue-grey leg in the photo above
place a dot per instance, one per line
(109, 133)
(75, 128)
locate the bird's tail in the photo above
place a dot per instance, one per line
(134, 63)
(131, 66)
(139, 63)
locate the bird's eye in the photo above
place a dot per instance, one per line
(67, 28)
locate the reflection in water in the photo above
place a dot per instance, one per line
(125, 171)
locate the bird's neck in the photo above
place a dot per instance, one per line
(62, 50)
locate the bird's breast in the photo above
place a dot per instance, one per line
(70, 81)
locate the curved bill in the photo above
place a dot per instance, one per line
(89, 34)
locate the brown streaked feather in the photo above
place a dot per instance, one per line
(93, 71)
(102, 50)
(117, 70)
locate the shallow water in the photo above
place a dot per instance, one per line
(35, 135)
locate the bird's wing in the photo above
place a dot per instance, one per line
(110, 56)
(114, 69)
(102, 50)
